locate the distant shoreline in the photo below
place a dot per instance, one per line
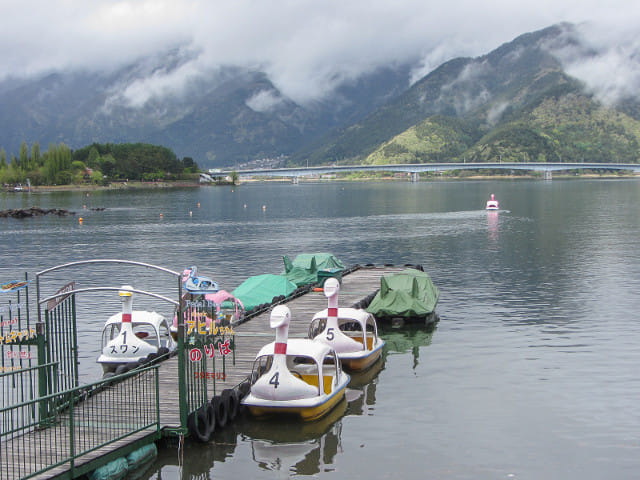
(139, 185)
(132, 185)
(444, 178)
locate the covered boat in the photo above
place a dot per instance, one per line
(408, 294)
(308, 268)
(352, 333)
(297, 377)
(133, 336)
(261, 289)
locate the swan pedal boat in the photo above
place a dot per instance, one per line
(351, 332)
(297, 377)
(493, 203)
(357, 349)
(131, 336)
(198, 284)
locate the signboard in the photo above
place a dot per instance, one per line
(13, 286)
(69, 287)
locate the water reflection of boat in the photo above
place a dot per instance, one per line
(365, 377)
(299, 448)
(408, 338)
(361, 393)
(351, 332)
(492, 223)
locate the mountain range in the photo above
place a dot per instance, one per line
(519, 102)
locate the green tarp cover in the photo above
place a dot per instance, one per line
(304, 268)
(407, 294)
(261, 289)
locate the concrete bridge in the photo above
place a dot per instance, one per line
(414, 169)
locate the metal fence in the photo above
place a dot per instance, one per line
(20, 386)
(50, 424)
(61, 340)
(38, 435)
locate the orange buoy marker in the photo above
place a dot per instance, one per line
(198, 204)
(264, 207)
(80, 220)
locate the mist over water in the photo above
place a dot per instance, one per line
(532, 371)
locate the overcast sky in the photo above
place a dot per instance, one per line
(306, 46)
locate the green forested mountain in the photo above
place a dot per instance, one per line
(514, 104)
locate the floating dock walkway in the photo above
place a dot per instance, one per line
(95, 420)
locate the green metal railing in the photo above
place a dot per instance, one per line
(61, 344)
(63, 429)
(19, 386)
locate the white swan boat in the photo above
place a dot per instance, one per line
(298, 377)
(131, 336)
(351, 332)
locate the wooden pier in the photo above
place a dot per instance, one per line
(255, 333)
(250, 336)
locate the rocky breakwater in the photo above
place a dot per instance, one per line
(34, 212)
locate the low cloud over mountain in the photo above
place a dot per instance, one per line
(154, 70)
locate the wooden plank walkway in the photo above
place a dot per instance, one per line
(250, 337)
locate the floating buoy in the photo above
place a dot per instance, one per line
(190, 213)
(264, 207)
(161, 214)
(244, 206)
(80, 220)
(198, 204)
(84, 207)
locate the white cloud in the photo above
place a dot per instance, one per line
(305, 47)
(264, 101)
(607, 61)
(495, 112)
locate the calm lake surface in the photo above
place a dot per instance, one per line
(533, 371)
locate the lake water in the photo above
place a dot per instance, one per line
(533, 371)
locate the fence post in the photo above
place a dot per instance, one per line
(72, 446)
(44, 376)
(182, 381)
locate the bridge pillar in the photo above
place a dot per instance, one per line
(548, 175)
(415, 177)
(294, 180)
